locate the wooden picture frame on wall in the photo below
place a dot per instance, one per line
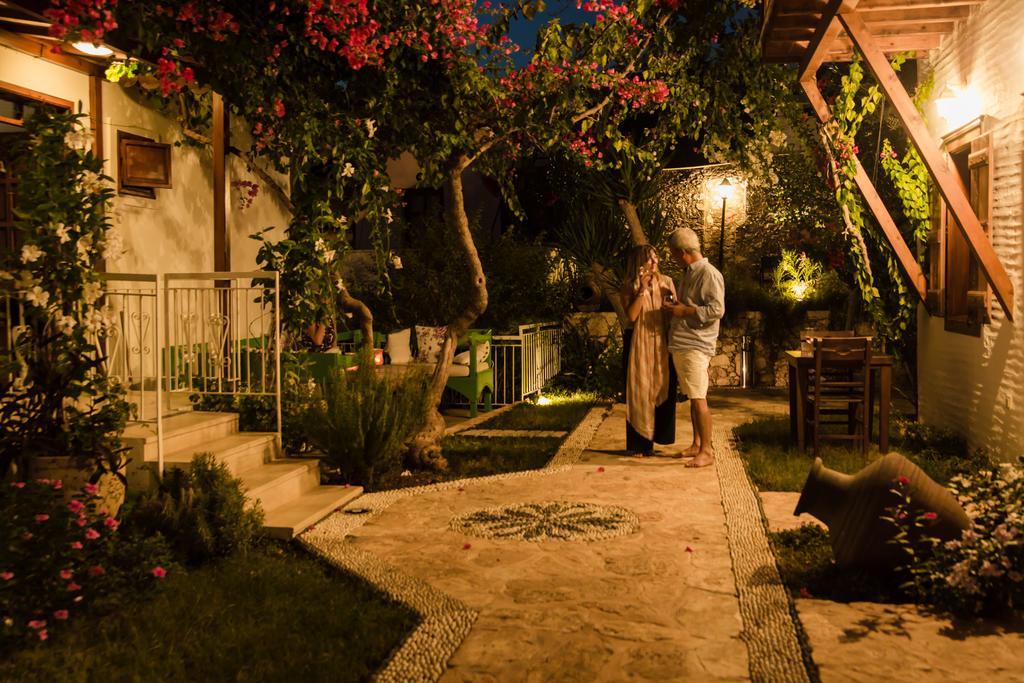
(143, 165)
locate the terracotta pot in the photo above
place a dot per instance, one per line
(852, 506)
(110, 486)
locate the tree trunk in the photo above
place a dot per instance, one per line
(607, 283)
(362, 314)
(425, 447)
(636, 230)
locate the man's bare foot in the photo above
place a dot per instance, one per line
(703, 459)
(687, 452)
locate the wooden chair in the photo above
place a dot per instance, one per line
(841, 386)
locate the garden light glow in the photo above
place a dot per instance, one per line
(92, 50)
(959, 105)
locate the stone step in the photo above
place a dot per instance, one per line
(295, 516)
(241, 452)
(181, 432)
(278, 482)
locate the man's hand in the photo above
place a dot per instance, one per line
(679, 310)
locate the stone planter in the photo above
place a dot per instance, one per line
(852, 506)
(110, 486)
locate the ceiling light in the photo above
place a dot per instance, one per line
(92, 50)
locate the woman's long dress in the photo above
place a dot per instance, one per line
(650, 377)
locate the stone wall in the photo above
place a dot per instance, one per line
(770, 369)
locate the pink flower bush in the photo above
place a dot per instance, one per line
(158, 572)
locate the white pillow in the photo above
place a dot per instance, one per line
(428, 343)
(398, 346)
(483, 351)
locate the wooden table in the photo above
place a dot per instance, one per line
(800, 366)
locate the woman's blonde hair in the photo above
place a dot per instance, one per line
(638, 258)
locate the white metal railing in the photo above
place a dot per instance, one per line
(179, 334)
(222, 335)
(522, 363)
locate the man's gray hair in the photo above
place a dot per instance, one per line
(685, 239)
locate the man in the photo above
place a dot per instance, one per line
(693, 336)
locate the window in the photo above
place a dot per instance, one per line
(959, 290)
(143, 165)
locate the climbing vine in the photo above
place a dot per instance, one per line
(892, 313)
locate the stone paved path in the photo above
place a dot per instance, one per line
(655, 605)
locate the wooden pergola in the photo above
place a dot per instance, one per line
(812, 32)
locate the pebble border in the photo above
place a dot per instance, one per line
(444, 621)
(771, 635)
(515, 433)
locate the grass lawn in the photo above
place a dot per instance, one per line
(805, 562)
(563, 413)
(274, 614)
(774, 465)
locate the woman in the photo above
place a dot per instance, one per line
(650, 377)
(319, 337)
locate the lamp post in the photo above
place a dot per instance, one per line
(725, 190)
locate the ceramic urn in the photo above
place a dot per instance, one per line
(853, 507)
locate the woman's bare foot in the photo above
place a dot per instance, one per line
(689, 452)
(702, 459)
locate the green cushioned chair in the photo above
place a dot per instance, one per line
(479, 382)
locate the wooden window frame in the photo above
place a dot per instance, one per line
(139, 187)
(971, 146)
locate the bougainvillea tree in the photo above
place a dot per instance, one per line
(333, 88)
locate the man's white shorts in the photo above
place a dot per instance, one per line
(692, 370)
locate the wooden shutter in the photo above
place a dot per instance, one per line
(979, 294)
(936, 297)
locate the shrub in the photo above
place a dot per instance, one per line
(941, 453)
(58, 560)
(364, 419)
(590, 363)
(201, 511)
(983, 570)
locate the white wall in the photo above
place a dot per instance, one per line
(970, 384)
(48, 78)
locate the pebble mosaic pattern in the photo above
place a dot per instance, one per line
(768, 627)
(444, 621)
(554, 520)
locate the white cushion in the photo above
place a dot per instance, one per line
(428, 343)
(458, 371)
(398, 346)
(483, 351)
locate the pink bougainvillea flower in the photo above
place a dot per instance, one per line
(57, 484)
(688, 549)
(81, 521)
(158, 572)
(76, 506)
(27, 536)
(61, 614)
(111, 523)
(804, 593)
(37, 624)
(44, 482)
(600, 469)
(902, 481)
(929, 516)
(6, 576)
(18, 484)
(43, 635)
(66, 574)
(91, 489)
(73, 587)
(97, 571)
(42, 517)
(91, 534)
(76, 545)
(467, 546)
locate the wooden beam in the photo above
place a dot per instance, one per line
(44, 52)
(910, 266)
(96, 114)
(221, 244)
(894, 43)
(884, 5)
(948, 186)
(926, 15)
(825, 32)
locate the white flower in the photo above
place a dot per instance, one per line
(63, 232)
(371, 127)
(777, 138)
(26, 280)
(78, 138)
(91, 291)
(396, 261)
(37, 296)
(388, 216)
(340, 284)
(341, 220)
(30, 253)
(113, 245)
(329, 255)
(320, 245)
(95, 321)
(4, 275)
(66, 324)
(84, 248)
(348, 171)
(91, 182)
